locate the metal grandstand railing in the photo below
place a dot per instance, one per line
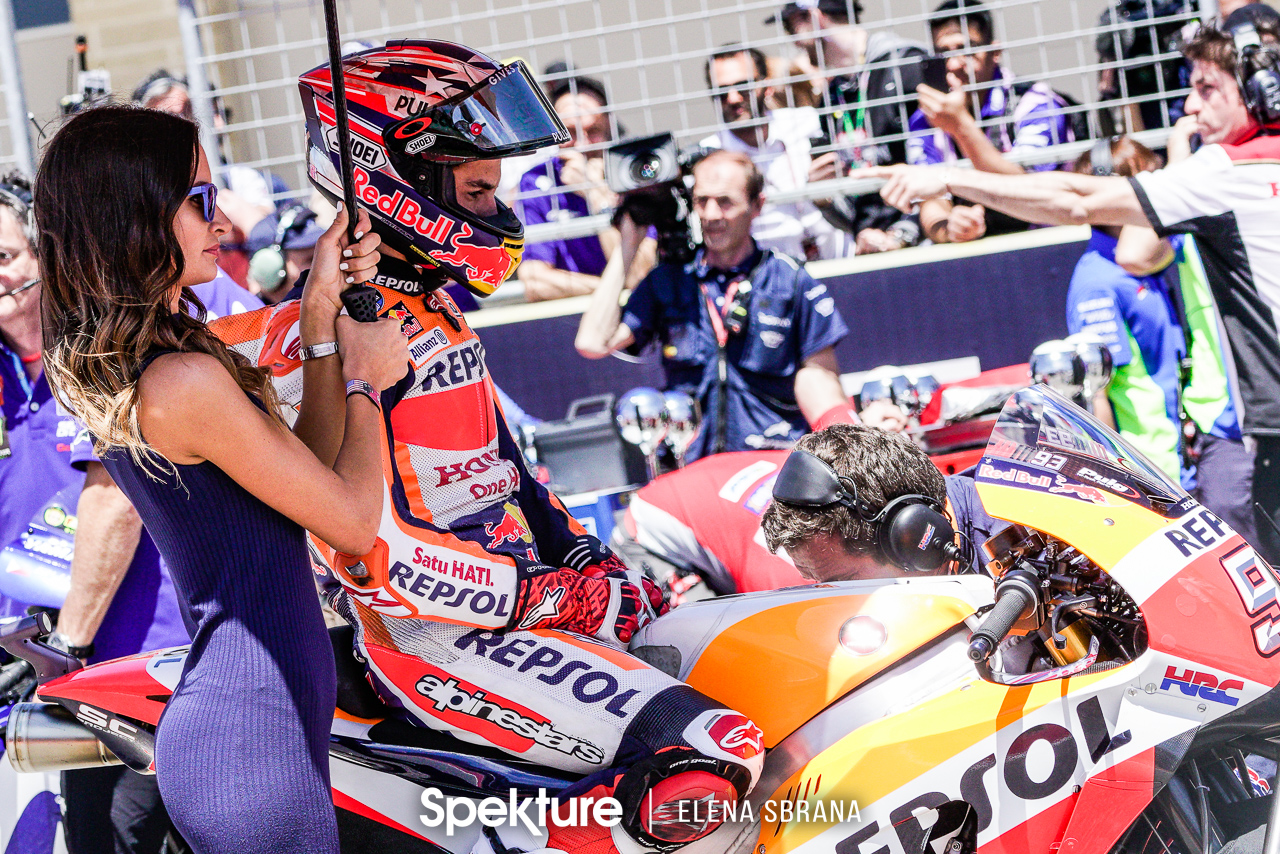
(650, 56)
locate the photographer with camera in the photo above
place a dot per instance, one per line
(570, 185)
(744, 330)
(1225, 195)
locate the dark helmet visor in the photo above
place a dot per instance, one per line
(506, 114)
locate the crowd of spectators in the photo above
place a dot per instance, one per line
(840, 96)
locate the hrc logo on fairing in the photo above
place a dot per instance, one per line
(1206, 686)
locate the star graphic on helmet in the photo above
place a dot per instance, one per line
(434, 86)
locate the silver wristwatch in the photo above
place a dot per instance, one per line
(318, 351)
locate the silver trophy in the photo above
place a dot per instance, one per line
(684, 417)
(641, 416)
(1096, 356)
(1058, 365)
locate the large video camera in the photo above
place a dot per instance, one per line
(654, 180)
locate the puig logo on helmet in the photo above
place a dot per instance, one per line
(363, 152)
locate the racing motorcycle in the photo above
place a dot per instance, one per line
(1106, 689)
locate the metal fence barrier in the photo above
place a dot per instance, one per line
(651, 59)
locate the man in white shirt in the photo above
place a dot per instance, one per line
(778, 142)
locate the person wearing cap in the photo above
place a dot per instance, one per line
(885, 73)
(282, 246)
(778, 142)
(567, 186)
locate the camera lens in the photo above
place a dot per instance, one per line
(646, 168)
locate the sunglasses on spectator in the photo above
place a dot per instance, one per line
(744, 88)
(208, 194)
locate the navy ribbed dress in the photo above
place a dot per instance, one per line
(242, 748)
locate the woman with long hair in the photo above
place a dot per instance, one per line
(127, 222)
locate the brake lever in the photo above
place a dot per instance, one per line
(1063, 608)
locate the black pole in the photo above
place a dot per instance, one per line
(361, 300)
(340, 113)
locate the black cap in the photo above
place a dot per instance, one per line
(1258, 14)
(828, 7)
(557, 88)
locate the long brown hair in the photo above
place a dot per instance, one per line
(110, 184)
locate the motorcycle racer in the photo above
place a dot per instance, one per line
(484, 609)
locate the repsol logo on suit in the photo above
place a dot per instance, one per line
(464, 364)
(525, 654)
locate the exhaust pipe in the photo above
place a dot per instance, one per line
(46, 737)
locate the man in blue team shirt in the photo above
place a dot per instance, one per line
(121, 600)
(745, 330)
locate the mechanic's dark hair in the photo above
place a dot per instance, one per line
(965, 14)
(15, 194)
(1128, 158)
(755, 179)
(1218, 48)
(758, 59)
(881, 465)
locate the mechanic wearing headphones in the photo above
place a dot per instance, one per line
(1227, 195)
(282, 246)
(848, 493)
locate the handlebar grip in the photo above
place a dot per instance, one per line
(1016, 594)
(362, 302)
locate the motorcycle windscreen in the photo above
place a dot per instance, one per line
(1045, 443)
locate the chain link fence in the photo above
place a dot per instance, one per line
(1117, 63)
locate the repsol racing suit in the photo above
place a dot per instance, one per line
(484, 609)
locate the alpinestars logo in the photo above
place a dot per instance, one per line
(548, 608)
(446, 695)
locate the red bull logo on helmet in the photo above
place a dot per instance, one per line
(486, 266)
(512, 528)
(400, 208)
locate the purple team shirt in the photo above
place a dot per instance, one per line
(540, 204)
(1034, 119)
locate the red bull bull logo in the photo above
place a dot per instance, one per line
(487, 265)
(1084, 493)
(512, 528)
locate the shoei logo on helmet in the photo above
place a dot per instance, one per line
(364, 152)
(400, 209)
(489, 265)
(420, 143)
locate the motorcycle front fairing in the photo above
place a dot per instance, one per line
(1056, 764)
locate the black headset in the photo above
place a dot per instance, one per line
(267, 265)
(910, 531)
(1259, 83)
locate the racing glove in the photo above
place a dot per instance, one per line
(593, 558)
(608, 607)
